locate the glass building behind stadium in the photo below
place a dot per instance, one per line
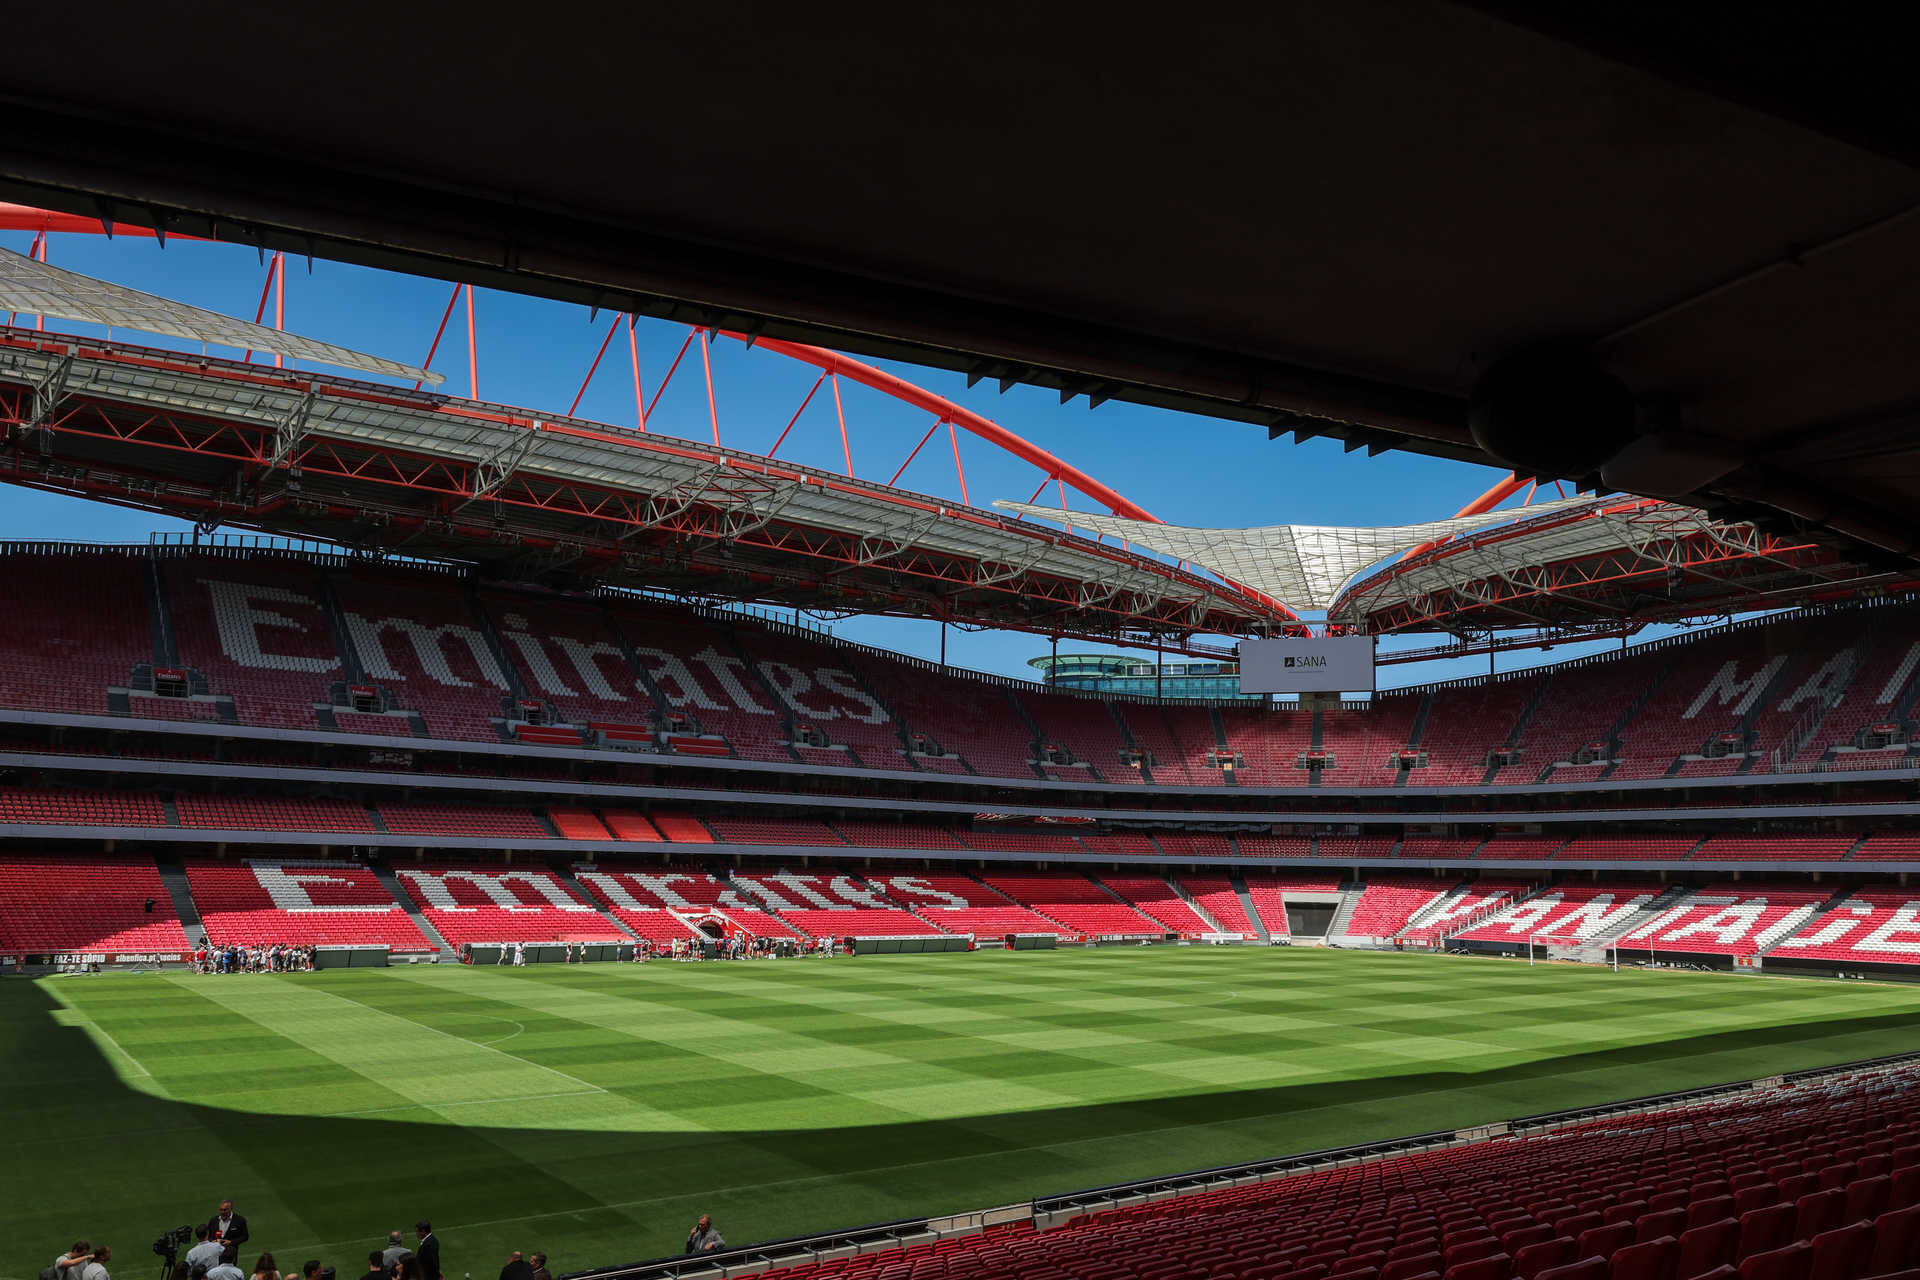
(1116, 673)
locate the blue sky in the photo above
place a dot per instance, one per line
(534, 353)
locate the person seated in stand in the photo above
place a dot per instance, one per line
(705, 1238)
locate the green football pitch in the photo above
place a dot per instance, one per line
(594, 1111)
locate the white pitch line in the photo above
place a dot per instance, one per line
(104, 1034)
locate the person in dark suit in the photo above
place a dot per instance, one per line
(428, 1250)
(227, 1227)
(516, 1268)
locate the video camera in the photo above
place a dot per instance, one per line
(168, 1245)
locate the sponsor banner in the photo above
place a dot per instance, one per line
(116, 957)
(1322, 664)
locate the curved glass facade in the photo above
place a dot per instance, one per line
(1134, 678)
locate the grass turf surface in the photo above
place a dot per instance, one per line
(594, 1111)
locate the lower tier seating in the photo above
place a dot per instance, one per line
(494, 904)
(1218, 898)
(1074, 901)
(91, 903)
(265, 902)
(1812, 1181)
(961, 904)
(1153, 897)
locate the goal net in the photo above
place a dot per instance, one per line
(1576, 950)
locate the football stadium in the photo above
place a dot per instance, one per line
(443, 834)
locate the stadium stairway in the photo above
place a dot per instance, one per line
(391, 883)
(174, 876)
(1246, 905)
(1181, 890)
(1350, 891)
(1808, 925)
(563, 872)
(1437, 907)
(1674, 895)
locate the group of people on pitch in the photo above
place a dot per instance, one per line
(211, 957)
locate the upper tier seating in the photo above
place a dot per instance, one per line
(494, 904)
(1353, 847)
(1678, 1194)
(969, 718)
(1880, 925)
(1888, 849)
(87, 903)
(1217, 897)
(1729, 919)
(1364, 744)
(818, 683)
(1773, 848)
(1626, 848)
(264, 902)
(82, 808)
(79, 626)
(271, 813)
(961, 904)
(1269, 742)
(1567, 911)
(1464, 722)
(692, 660)
(576, 823)
(1154, 897)
(650, 901)
(990, 840)
(1520, 847)
(1177, 739)
(1264, 846)
(486, 821)
(567, 656)
(832, 905)
(257, 627)
(1074, 901)
(896, 835)
(1140, 844)
(1439, 847)
(420, 637)
(735, 830)
(1086, 729)
(1577, 709)
(1390, 902)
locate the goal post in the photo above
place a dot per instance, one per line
(1575, 950)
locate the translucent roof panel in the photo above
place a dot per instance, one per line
(37, 289)
(1302, 565)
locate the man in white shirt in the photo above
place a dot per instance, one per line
(96, 1268)
(229, 1265)
(204, 1254)
(519, 954)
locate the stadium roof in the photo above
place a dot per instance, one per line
(35, 288)
(1327, 219)
(1302, 565)
(389, 471)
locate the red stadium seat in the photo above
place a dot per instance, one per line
(1789, 1262)
(1654, 1259)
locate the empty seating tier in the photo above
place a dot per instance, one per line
(493, 904)
(266, 902)
(1074, 901)
(90, 904)
(1813, 1181)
